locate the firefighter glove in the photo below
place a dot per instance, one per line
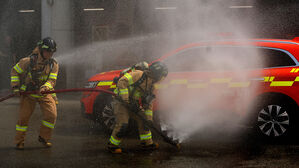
(43, 89)
(147, 100)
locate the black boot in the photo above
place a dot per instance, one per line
(44, 142)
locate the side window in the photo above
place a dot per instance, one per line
(223, 58)
(276, 58)
(214, 58)
(188, 60)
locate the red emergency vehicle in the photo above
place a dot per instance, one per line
(258, 80)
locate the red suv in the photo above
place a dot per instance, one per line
(255, 79)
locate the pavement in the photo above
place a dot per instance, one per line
(79, 142)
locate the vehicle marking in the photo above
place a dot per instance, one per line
(281, 83)
(221, 80)
(268, 78)
(239, 84)
(294, 70)
(192, 84)
(178, 82)
(197, 85)
(105, 83)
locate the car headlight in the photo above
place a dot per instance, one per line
(91, 84)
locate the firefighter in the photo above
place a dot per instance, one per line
(37, 72)
(139, 66)
(136, 88)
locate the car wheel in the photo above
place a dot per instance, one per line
(103, 112)
(276, 120)
(273, 120)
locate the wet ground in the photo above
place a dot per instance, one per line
(77, 142)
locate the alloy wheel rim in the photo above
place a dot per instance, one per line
(273, 120)
(108, 116)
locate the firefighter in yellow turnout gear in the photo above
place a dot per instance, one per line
(37, 72)
(136, 88)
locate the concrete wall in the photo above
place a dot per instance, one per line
(57, 22)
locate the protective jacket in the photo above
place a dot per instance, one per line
(33, 72)
(136, 87)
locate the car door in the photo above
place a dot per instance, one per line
(216, 79)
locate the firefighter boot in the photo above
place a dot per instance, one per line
(20, 146)
(44, 142)
(114, 149)
(149, 147)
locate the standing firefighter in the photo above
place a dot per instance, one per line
(136, 89)
(37, 72)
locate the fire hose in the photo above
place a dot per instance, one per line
(135, 111)
(60, 91)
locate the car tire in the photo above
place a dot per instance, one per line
(104, 115)
(275, 119)
(103, 112)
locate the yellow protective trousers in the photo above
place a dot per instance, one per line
(122, 118)
(27, 106)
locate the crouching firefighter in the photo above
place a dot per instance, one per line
(37, 72)
(135, 91)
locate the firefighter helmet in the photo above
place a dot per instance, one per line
(47, 44)
(141, 66)
(158, 70)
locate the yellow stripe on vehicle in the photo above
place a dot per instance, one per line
(179, 82)
(197, 85)
(239, 84)
(220, 80)
(105, 83)
(281, 83)
(268, 78)
(294, 70)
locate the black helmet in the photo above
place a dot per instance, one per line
(158, 70)
(47, 44)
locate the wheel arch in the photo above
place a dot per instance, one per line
(273, 95)
(100, 99)
(266, 97)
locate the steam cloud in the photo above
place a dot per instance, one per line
(186, 22)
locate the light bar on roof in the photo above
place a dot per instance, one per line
(26, 11)
(240, 7)
(165, 8)
(93, 9)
